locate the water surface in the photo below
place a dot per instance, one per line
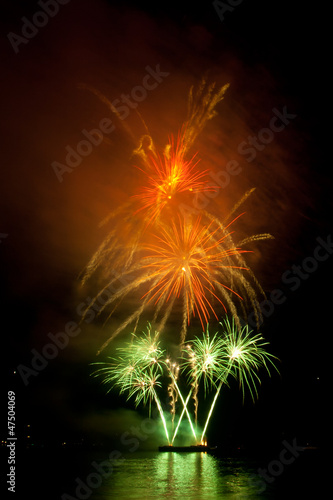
(183, 476)
(142, 475)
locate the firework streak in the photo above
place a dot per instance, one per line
(168, 261)
(138, 368)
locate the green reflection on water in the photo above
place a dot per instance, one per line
(185, 474)
(180, 476)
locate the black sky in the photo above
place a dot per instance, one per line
(274, 54)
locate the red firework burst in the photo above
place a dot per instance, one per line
(170, 175)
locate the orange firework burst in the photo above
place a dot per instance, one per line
(191, 260)
(168, 176)
(194, 265)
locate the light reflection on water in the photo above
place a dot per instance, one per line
(187, 476)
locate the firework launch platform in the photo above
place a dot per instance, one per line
(188, 449)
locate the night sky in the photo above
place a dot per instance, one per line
(274, 55)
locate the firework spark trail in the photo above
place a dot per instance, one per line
(172, 390)
(213, 405)
(205, 358)
(130, 319)
(181, 416)
(111, 108)
(182, 399)
(236, 205)
(226, 220)
(166, 314)
(144, 388)
(113, 254)
(160, 409)
(245, 354)
(194, 378)
(201, 109)
(121, 294)
(248, 291)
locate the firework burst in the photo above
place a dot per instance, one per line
(169, 176)
(193, 261)
(242, 353)
(169, 172)
(246, 354)
(142, 354)
(140, 366)
(136, 371)
(168, 261)
(191, 265)
(205, 358)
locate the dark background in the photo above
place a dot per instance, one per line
(274, 54)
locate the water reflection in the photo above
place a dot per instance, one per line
(185, 476)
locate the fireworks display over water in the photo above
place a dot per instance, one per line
(175, 253)
(131, 199)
